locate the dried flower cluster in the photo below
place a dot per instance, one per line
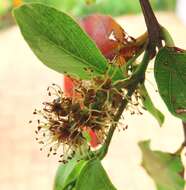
(67, 121)
(70, 121)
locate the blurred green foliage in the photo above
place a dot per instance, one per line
(64, 5)
(112, 7)
(85, 7)
(5, 6)
(164, 4)
(119, 7)
(5, 17)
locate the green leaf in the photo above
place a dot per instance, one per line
(148, 104)
(60, 43)
(94, 177)
(164, 168)
(67, 174)
(170, 74)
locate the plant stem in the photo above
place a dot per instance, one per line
(178, 152)
(154, 40)
(113, 127)
(167, 37)
(184, 130)
(153, 28)
(139, 78)
(139, 74)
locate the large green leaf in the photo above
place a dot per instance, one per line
(59, 42)
(67, 174)
(148, 104)
(94, 177)
(164, 168)
(170, 74)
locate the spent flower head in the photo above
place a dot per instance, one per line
(69, 123)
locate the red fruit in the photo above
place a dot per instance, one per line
(108, 35)
(94, 139)
(94, 142)
(68, 86)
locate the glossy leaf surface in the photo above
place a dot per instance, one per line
(93, 176)
(59, 42)
(170, 74)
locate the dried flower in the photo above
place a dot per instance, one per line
(73, 123)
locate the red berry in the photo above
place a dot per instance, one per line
(94, 139)
(68, 86)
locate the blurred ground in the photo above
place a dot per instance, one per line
(23, 83)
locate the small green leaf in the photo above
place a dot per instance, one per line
(60, 43)
(94, 177)
(170, 74)
(164, 168)
(67, 174)
(148, 104)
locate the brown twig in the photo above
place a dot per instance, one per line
(184, 131)
(153, 28)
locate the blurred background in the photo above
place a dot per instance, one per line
(85, 7)
(23, 83)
